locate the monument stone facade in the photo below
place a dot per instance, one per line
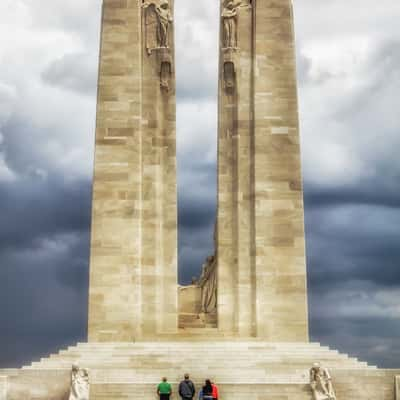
(245, 321)
(133, 263)
(260, 243)
(3, 387)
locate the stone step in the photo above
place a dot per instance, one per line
(230, 391)
(222, 357)
(196, 355)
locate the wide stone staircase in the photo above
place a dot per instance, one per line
(233, 360)
(241, 367)
(188, 321)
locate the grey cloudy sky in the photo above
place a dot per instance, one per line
(349, 83)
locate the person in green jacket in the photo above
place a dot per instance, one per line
(164, 389)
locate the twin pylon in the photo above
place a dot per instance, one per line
(260, 225)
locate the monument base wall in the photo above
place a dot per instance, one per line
(3, 387)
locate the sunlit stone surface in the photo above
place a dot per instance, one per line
(133, 266)
(260, 242)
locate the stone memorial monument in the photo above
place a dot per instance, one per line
(248, 325)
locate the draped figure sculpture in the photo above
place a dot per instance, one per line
(79, 383)
(158, 21)
(208, 285)
(229, 17)
(164, 21)
(321, 383)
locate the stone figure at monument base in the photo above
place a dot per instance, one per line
(321, 383)
(79, 383)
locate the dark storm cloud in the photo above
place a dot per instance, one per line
(196, 215)
(375, 339)
(353, 259)
(371, 192)
(43, 297)
(352, 234)
(43, 301)
(34, 208)
(44, 246)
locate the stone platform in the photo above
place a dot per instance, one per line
(242, 368)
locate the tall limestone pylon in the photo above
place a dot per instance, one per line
(133, 267)
(260, 240)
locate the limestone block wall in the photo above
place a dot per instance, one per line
(3, 387)
(279, 211)
(235, 236)
(133, 266)
(40, 385)
(189, 299)
(261, 249)
(349, 384)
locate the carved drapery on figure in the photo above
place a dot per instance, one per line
(229, 76)
(321, 383)
(229, 18)
(79, 383)
(208, 285)
(165, 74)
(157, 21)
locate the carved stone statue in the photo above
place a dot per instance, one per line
(229, 76)
(229, 17)
(321, 383)
(208, 285)
(158, 19)
(165, 74)
(79, 383)
(164, 20)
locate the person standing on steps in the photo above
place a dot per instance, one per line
(187, 389)
(215, 393)
(207, 391)
(164, 389)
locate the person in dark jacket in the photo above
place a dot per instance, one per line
(187, 389)
(207, 391)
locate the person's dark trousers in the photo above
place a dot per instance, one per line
(164, 396)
